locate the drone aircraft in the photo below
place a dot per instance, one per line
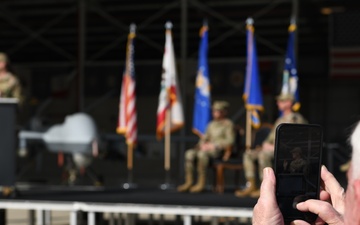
(77, 136)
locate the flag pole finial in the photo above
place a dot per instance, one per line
(132, 28)
(250, 21)
(205, 22)
(293, 20)
(292, 26)
(168, 25)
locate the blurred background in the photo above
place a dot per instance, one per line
(70, 55)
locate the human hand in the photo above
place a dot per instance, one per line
(226, 156)
(266, 146)
(266, 210)
(325, 211)
(207, 146)
(332, 191)
(330, 207)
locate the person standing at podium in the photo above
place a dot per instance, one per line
(9, 88)
(9, 84)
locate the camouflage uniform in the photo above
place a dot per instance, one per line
(265, 157)
(9, 86)
(221, 134)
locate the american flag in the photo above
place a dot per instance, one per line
(345, 44)
(169, 98)
(127, 121)
(345, 61)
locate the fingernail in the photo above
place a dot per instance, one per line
(324, 168)
(299, 204)
(266, 172)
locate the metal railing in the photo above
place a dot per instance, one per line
(43, 211)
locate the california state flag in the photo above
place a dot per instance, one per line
(169, 98)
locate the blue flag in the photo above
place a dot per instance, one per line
(202, 105)
(290, 77)
(252, 91)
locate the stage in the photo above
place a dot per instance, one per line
(129, 204)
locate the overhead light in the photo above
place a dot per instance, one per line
(333, 9)
(326, 11)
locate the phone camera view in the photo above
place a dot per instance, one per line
(297, 166)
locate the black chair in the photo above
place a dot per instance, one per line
(232, 157)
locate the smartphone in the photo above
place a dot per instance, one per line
(297, 165)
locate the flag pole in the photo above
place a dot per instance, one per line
(130, 159)
(130, 162)
(167, 139)
(248, 131)
(249, 22)
(168, 25)
(169, 71)
(130, 146)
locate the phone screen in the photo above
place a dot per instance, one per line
(298, 150)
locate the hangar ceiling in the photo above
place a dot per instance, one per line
(61, 31)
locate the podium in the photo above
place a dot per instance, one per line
(8, 111)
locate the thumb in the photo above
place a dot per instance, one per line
(324, 210)
(267, 189)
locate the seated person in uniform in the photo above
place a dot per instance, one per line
(265, 154)
(219, 135)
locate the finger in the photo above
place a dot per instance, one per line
(299, 222)
(332, 186)
(267, 188)
(266, 210)
(324, 195)
(318, 221)
(323, 209)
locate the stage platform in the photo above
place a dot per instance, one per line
(128, 203)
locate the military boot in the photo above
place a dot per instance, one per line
(188, 182)
(250, 187)
(255, 193)
(200, 185)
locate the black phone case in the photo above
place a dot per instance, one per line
(293, 179)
